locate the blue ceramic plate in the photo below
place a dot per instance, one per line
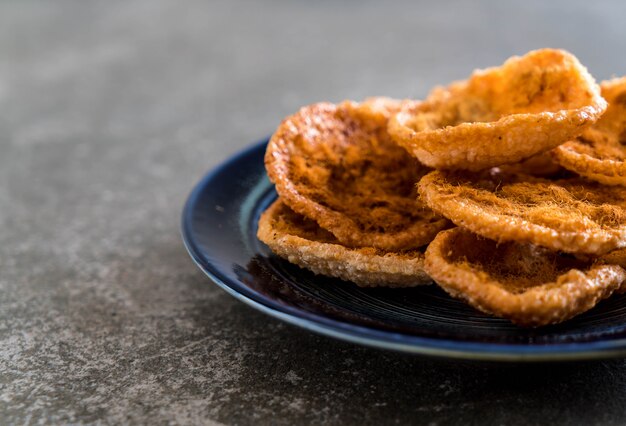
(219, 230)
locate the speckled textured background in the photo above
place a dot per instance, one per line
(111, 111)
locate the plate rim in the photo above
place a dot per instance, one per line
(369, 336)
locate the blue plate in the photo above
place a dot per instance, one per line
(219, 226)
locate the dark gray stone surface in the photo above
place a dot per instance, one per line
(111, 111)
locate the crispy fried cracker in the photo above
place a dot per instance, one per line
(571, 215)
(527, 284)
(503, 114)
(337, 165)
(600, 153)
(301, 241)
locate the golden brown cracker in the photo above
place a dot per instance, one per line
(501, 115)
(600, 152)
(570, 215)
(337, 165)
(527, 284)
(301, 241)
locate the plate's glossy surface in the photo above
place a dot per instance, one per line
(219, 230)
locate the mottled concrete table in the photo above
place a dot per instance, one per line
(111, 111)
